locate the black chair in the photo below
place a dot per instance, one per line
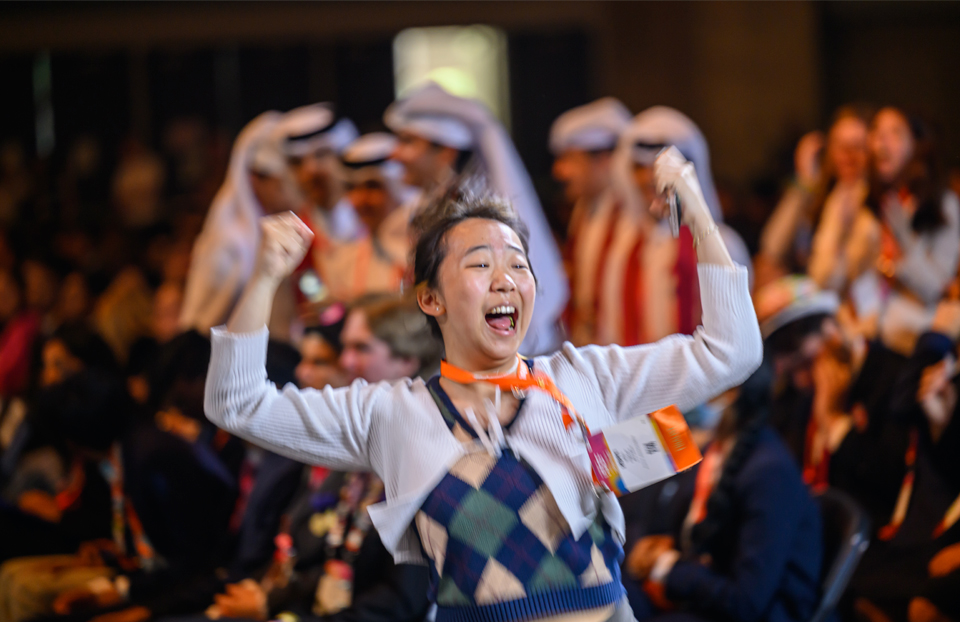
(846, 535)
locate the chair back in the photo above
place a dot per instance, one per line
(846, 535)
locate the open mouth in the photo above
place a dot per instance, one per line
(502, 319)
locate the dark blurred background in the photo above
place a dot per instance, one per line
(754, 76)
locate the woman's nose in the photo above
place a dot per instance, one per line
(503, 282)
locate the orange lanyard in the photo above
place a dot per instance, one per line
(706, 481)
(816, 473)
(124, 512)
(71, 493)
(906, 491)
(520, 380)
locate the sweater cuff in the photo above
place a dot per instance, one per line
(245, 353)
(220, 335)
(725, 293)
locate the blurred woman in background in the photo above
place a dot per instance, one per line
(829, 186)
(920, 237)
(750, 548)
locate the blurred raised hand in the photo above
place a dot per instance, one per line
(806, 159)
(284, 242)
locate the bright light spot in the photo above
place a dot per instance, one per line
(469, 61)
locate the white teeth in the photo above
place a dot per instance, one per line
(503, 310)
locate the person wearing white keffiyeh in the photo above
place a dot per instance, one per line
(257, 184)
(443, 140)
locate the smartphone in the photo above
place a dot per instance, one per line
(675, 216)
(676, 212)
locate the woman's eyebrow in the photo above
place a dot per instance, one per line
(481, 247)
(485, 247)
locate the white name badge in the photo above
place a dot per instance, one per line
(631, 455)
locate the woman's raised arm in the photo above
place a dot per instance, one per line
(284, 241)
(683, 370)
(328, 427)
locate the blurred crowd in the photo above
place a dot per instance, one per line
(120, 502)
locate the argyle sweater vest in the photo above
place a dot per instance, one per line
(499, 548)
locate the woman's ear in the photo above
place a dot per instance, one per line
(430, 302)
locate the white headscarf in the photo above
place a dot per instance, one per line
(224, 252)
(432, 113)
(591, 127)
(661, 125)
(436, 115)
(310, 128)
(369, 156)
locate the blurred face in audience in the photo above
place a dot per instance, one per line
(177, 264)
(318, 366)
(41, 285)
(796, 362)
(847, 149)
(643, 178)
(166, 312)
(58, 363)
(372, 200)
(424, 162)
(73, 302)
(365, 356)
(273, 193)
(316, 175)
(891, 143)
(584, 175)
(10, 296)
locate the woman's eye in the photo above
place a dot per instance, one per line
(479, 265)
(521, 266)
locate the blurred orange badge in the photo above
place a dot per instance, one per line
(646, 449)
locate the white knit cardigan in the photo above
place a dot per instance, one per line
(396, 430)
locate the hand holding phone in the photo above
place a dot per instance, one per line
(669, 167)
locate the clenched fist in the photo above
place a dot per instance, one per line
(284, 242)
(672, 171)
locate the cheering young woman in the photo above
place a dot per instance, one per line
(486, 481)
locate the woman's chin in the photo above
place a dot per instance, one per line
(498, 347)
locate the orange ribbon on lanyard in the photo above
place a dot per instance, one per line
(520, 380)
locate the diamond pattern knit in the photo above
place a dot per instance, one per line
(499, 547)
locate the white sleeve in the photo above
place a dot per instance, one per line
(680, 369)
(929, 261)
(329, 427)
